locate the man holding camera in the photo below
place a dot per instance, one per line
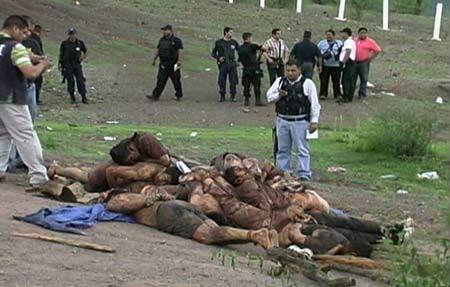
(330, 49)
(298, 111)
(277, 53)
(252, 73)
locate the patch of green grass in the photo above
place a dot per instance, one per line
(364, 168)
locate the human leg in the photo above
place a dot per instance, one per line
(284, 145)
(324, 81)
(363, 73)
(74, 173)
(175, 77)
(163, 76)
(298, 131)
(336, 79)
(81, 83)
(246, 81)
(233, 77)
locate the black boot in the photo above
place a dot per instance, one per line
(246, 102)
(84, 99)
(233, 98)
(222, 98)
(258, 102)
(72, 98)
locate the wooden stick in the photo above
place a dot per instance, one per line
(310, 269)
(69, 242)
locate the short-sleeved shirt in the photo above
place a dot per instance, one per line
(348, 44)
(306, 52)
(168, 49)
(225, 49)
(276, 49)
(19, 54)
(33, 45)
(247, 55)
(70, 52)
(335, 48)
(365, 48)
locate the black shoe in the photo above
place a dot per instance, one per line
(323, 98)
(260, 104)
(233, 99)
(73, 101)
(222, 98)
(40, 103)
(85, 101)
(152, 97)
(246, 102)
(177, 98)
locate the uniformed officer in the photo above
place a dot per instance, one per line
(224, 52)
(252, 72)
(71, 54)
(169, 52)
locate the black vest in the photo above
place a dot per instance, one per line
(296, 103)
(12, 82)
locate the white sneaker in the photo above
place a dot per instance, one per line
(38, 180)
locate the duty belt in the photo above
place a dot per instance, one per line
(293, 118)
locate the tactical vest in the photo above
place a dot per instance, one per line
(167, 51)
(296, 103)
(13, 85)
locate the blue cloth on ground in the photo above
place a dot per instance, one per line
(338, 212)
(72, 218)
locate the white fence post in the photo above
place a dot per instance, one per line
(386, 15)
(340, 16)
(262, 3)
(437, 22)
(299, 6)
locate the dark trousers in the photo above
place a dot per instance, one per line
(307, 69)
(164, 73)
(275, 71)
(348, 80)
(72, 74)
(38, 83)
(228, 70)
(362, 71)
(252, 80)
(335, 74)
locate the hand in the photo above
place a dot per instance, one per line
(222, 59)
(60, 67)
(295, 212)
(282, 93)
(45, 62)
(312, 127)
(319, 69)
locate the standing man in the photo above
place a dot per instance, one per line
(298, 111)
(15, 119)
(366, 50)
(169, 52)
(36, 35)
(224, 52)
(347, 59)
(277, 54)
(330, 49)
(71, 54)
(251, 73)
(307, 54)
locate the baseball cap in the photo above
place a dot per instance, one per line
(347, 30)
(167, 27)
(71, 31)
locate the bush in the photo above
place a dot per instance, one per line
(415, 7)
(402, 131)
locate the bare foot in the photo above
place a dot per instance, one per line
(261, 237)
(51, 172)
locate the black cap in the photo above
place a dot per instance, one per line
(71, 31)
(347, 30)
(167, 27)
(307, 34)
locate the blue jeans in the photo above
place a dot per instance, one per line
(293, 134)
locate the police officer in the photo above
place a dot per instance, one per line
(71, 54)
(169, 53)
(252, 72)
(298, 109)
(224, 52)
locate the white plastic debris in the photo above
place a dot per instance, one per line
(370, 85)
(124, 65)
(388, 94)
(305, 251)
(194, 134)
(432, 175)
(402, 191)
(336, 169)
(109, 139)
(49, 128)
(77, 3)
(112, 122)
(389, 176)
(159, 134)
(207, 69)
(181, 166)
(246, 111)
(439, 100)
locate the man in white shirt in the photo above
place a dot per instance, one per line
(298, 110)
(347, 59)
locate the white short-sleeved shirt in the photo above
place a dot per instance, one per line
(348, 44)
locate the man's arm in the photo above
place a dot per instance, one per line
(155, 57)
(21, 59)
(319, 59)
(61, 55)
(265, 49)
(274, 93)
(286, 53)
(311, 93)
(84, 50)
(376, 49)
(180, 51)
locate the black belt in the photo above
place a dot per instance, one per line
(293, 118)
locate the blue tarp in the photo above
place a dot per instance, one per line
(73, 218)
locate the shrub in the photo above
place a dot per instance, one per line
(401, 131)
(415, 7)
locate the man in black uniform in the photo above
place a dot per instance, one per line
(252, 73)
(307, 54)
(224, 52)
(36, 35)
(169, 53)
(71, 54)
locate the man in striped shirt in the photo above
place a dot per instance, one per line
(15, 120)
(277, 54)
